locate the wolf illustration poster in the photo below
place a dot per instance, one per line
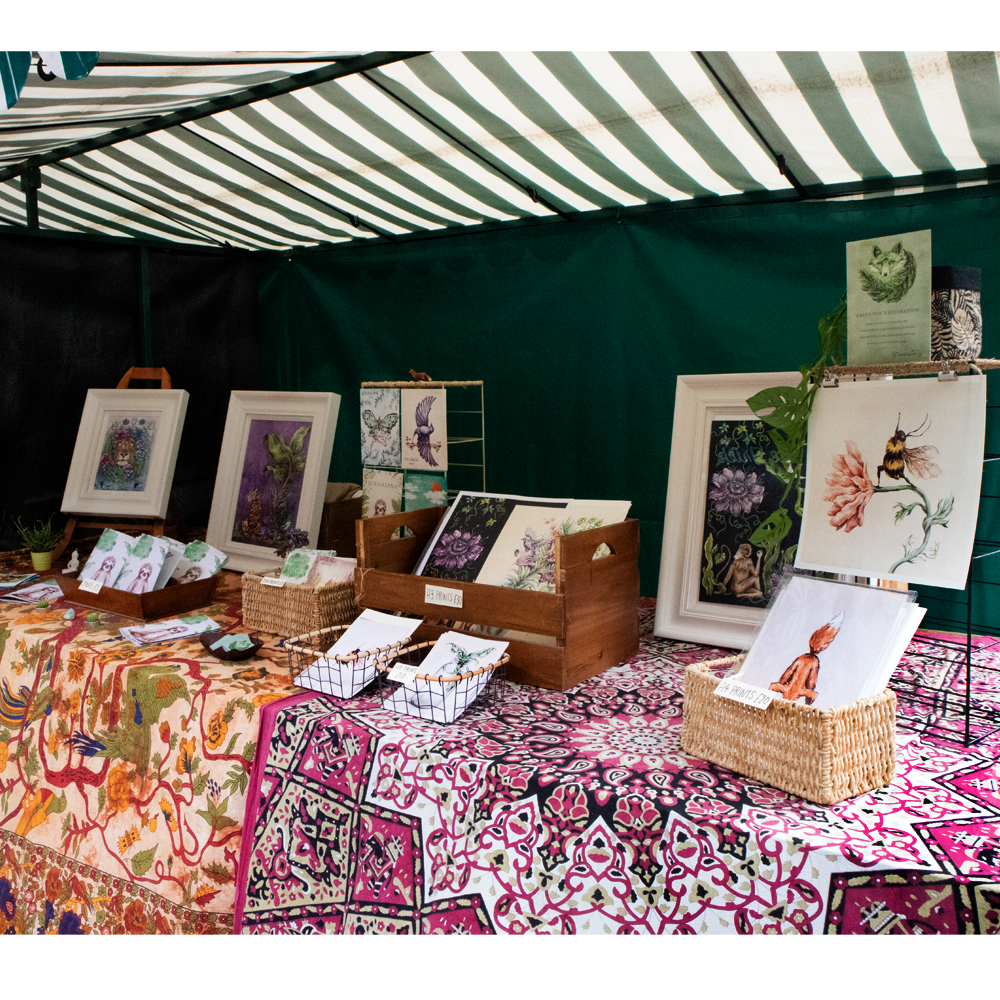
(889, 299)
(126, 452)
(740, 559)
(271, 484)
(892, 479)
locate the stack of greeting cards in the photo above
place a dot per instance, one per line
(149, 562)
(825, 643)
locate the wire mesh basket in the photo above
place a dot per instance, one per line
(439, 698)
(343, 675)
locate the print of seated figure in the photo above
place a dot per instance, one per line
(192, 574)
(744, 573)
(159, 633)
(799, 680)
(141, 584)
(105, 575)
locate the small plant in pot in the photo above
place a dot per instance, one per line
(40, 539)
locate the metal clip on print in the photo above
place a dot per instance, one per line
(439, 698)
(823, 755)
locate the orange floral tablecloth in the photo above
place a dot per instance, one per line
(124, 772)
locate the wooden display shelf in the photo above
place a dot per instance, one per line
(592, 618)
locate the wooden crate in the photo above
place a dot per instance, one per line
(171, 601)
(592, 617)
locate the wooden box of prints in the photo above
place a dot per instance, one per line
(823, 755)
(557, 640)
(168, 602)
(294, 609)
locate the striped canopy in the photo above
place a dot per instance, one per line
(271, 150)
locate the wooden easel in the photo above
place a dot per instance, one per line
(85, 523)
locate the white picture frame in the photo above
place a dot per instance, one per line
(242, 459)
(145, 494)
(679, 613)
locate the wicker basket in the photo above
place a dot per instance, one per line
(436, 698)
(341, 676)
(295, 609)
(824, 755)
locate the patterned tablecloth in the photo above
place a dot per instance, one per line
(578, 812)
(123, 772)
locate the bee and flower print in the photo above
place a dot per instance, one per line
(893, 475)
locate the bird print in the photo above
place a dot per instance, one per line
(425, 429)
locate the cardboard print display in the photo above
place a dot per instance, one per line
(380, 428)
(740, 565)
(424, 429)
(893, 471)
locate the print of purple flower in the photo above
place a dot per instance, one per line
(735, 492)
(454, 550)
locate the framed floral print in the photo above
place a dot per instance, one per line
(717, 569)
(272, 475)
(125, 453)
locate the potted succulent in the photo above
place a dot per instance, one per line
(40, 539)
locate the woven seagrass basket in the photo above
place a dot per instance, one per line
(823, 755)
(296, 609)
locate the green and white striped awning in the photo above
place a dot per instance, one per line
(280, 149)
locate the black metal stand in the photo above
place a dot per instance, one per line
(951, 712)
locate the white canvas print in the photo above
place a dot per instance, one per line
(823, 642)
(893, 471)
(380, 428)
(424, 434)
(370, 631)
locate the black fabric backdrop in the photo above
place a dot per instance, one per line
(580, 329)
(71, 319)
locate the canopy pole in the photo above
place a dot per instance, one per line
(31, 181)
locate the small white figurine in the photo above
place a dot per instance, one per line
(74, 562)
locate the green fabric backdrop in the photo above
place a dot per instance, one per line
(580, 329)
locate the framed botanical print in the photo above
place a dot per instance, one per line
(272, 475)
(718, 570)
(125, 454)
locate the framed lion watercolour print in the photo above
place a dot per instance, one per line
(272, 475)
(719, 564)
(125, 454)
